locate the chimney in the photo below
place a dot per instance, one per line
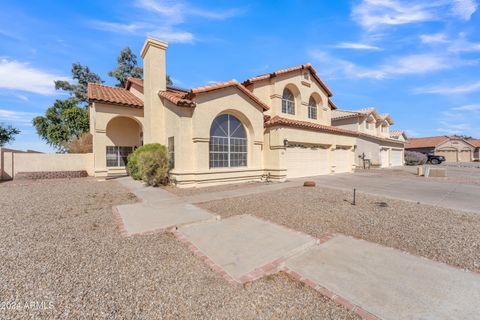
(154, 75)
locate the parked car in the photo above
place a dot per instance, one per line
(433, 159)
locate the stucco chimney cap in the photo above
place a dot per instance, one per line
(153, 42)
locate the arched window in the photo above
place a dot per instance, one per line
(288, 102)
(228, 142)
(312, 108)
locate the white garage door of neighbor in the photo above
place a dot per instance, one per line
(342, 158)
(384, 161)
(306, 161)
(397, 158)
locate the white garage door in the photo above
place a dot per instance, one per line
(397, 158)
(384, 161)
(306, 161)
(342, 160)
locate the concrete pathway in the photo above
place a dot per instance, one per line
(242, 244)
(371, 280)
(389, 283)
(159, 210)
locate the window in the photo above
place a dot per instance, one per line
(306, 75)
(171, 152)
(228, 143)
(312, 108)
(117, 156)
(288, 102)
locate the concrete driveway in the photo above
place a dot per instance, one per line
(463, 196)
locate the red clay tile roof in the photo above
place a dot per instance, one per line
(396, 133)
(130, 81)
(279, 121)
(474, 142)
(185, 98)
(177, 97)
(113, 95)
(292, 69)
(332, 105)
(429, 142)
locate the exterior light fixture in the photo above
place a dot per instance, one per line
(285, 142)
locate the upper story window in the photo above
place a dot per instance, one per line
(306, 76)
(288, 102)
(312, 108)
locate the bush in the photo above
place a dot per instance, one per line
(153, 166)
(82, 144)
(133, 159)
(413, 158)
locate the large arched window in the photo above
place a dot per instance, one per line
(228, 142)
(288, 102)
(312, 108)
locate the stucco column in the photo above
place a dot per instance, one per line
(100, 153)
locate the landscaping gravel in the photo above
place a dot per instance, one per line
(440, 234)
(63, 256)
(201, 190)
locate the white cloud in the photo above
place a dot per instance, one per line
(468, 107)
(464, 8)
(173, 36)
(177, 10)
(447, 90)
(356, 46)
(372, 14)
(411, 64)
(10, 116)
(16, 75)
(117, 27)
(434, 38)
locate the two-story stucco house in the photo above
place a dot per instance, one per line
(375, 141)
(274, 126)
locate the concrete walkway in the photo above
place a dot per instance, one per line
(389, 283)
(159, 210)
(371, 280)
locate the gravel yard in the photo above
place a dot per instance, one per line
(440, 234)
(61, 250)
(194, 191)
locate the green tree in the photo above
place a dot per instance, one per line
(127, 67)
(83, 76)
(169, 81)
(64, 121)
(7, 134)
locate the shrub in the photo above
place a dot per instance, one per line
(154, 166)
(133, 159)
(415, 158)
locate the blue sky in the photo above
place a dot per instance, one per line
(416, 60)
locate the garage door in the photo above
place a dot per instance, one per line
(396, 158)
(384, 161)
(306, 161)
(450, 155)
(342, 160)
(465, 156)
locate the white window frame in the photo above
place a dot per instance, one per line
(288, 105)
(240, 146)
(312, 109)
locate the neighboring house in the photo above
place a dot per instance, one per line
(476, 144)
(453, 148)
(274, 126)
(375, 141)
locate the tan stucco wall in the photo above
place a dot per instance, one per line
(124, 125)
(191, 131)
(38, 162)
(7, 162)
(274, 152)
(349, 124)
(270, 91)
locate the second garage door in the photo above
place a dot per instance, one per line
(396, 158)
(384, 161)
(342, 160)
(450, 155)
(304, 161)
(465, 156)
